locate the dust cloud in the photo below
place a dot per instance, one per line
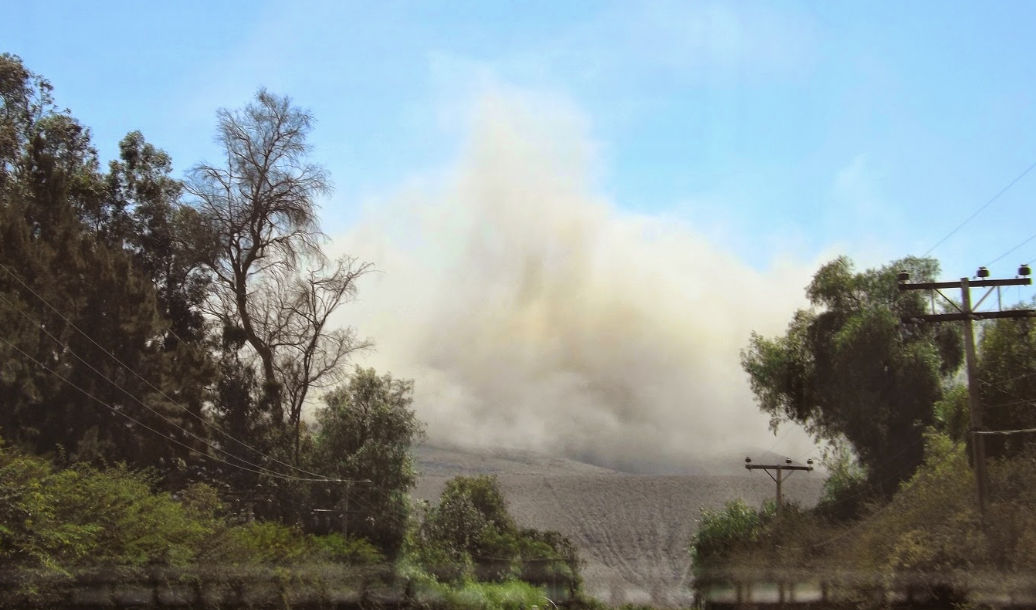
(533, 313)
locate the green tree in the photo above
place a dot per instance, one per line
(142, 214)
(847, 368)
(75, 304)
(470, 533)
(470, 517)
(1007, 383)
(367, 431)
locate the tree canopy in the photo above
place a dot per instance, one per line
(1007, 383)
(366, 432)
(846, 367)
(88, 299)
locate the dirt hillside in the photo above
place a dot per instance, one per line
(632, 529)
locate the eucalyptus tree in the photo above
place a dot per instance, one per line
(85, 370)
(847, 367)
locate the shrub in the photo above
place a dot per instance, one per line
(353, 551)
(470, 535)
(723, 531)
(61, 519)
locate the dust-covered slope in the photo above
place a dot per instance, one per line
(632, 530)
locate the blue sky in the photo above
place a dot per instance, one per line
(645, 160)
(871, 128)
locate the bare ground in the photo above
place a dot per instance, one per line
(632, 530)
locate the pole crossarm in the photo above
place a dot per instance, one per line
(776, 467)
(1018, 281)
(975, 315)
(779, 479)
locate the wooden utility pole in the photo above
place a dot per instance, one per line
(345, 509)
(966, 313)
(345, 505)
(780, 469)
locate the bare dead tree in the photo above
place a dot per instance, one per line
(308, 355)
(272, 280)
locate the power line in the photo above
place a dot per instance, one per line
(203, 420)
(788, 429)
(1014, 403)
(979, 211)
(259, 468)
(1008, 380)
(1027, 240)
(145, 426)
(69, 350)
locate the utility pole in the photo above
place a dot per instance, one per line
(345, 505)
(780, 469)
(345, 509)
(966, 313)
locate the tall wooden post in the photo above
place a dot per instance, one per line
(978, 443)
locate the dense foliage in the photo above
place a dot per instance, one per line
(64, 519)
(724, 532)
(470, 534)
(847, 369)
(1007, 383)
(160, 340)
(81, 250)
(366, 434)
(899, 508)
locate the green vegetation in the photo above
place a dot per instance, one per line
(899, 508)
(846, 369)
(470, 535)
(722, 533)
(160, 338)
(82, 517)
(368, 429)
(930, 534)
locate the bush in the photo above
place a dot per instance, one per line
(352, 551)
(721, 532)
(67, 518)
(470, 536)
(509, 595)
(846, 488)
(83, 517)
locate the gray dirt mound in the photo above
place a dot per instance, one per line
(632, 530)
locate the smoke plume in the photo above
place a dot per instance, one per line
(533, 313)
